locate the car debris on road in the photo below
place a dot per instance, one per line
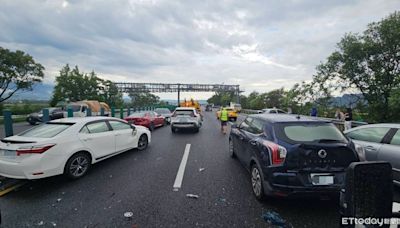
(192, 196)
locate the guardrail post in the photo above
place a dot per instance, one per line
(112, 111)
(46, 115)
(101, 111)
(70, 112)
(8, 124)
(89, 112)
(121, 113)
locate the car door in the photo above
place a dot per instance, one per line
(243, 139)
(98, 137)
(159, 119)
(370, 138)
(252, 144)
(124, 137)
(390, 152)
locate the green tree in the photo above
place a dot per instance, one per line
(73, 85)
(368, 63)
(18, 71)
(141, 99)
(108, 92)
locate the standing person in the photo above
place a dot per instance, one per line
(339, 115)
(224, 120)
(314, 112)
(348, 117)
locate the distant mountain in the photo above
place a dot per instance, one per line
(41, 92)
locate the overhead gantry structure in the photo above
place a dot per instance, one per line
(127, 87)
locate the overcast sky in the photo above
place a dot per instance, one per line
(260, 45)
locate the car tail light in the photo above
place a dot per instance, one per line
(278, 153)
(34, 149)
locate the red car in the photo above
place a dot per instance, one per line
(147, 119)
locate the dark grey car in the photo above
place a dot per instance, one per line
(381, 142)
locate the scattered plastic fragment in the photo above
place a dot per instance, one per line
(62, 193)
(176, 189)
(110, 176)
(41, 223)
(75, 209)
(59, 200)
(222, 200)
(128, 214)
(192, 196)
(201, 169)
(53, 224)
(274, 218)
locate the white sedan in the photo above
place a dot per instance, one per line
(68, 146)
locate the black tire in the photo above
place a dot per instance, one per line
(143, 142)
(77, 166)
(232, 153)
(173, 130)
(151, 127)
(32, 122)
(196, 130)
(257, 182)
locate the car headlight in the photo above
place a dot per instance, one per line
(360, 152)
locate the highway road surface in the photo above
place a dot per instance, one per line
(136, 189)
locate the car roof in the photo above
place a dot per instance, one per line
(388, 125)
(185, 108)
(83, 119)
(287, 118)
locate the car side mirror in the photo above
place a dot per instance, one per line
(133, 127)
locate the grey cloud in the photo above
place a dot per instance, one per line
(187, 41)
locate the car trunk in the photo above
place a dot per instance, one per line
(9, 147)
(320, 157)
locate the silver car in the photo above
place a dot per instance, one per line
(185, 118)
(381, 142)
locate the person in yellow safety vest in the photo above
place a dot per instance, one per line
(224, 120)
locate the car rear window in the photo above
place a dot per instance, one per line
(48, 130)
(138, 114)
(183, 113)
(295, 133)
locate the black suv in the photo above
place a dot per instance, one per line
(291, 155)
(54, 113)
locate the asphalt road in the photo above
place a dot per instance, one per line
(142, 183)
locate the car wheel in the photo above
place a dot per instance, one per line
(231, 149)
(197, 129)
(256, 182)
(143, 142)
(151, 126)
(173, 129)
(77, 166)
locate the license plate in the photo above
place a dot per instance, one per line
(322, 178)
(8, 153)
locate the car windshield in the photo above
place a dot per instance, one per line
(48, 130)
(162, 111)
(295, 133)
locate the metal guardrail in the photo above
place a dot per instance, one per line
(8, 118)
